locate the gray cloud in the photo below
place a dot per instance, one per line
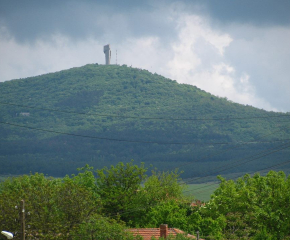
(45, 36)
(259, 12)
(30, 20)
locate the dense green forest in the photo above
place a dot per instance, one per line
(100, 115)
(105, 203)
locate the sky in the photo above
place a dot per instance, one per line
(234, 49)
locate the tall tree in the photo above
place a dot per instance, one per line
(119, 188)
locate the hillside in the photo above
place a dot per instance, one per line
(101, 115)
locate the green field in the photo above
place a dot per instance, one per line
(201, 191)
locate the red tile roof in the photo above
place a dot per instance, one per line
(197, 203)
(148, 233)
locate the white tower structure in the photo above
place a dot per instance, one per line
(107, 51)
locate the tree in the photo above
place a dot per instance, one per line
(56, 206)
(98, 227)
(119, 187)
(162, 186)
(169, 212)
(253, 205)
(160, 189)
(75, 205)
(39, 195)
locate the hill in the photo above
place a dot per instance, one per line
(101, 115)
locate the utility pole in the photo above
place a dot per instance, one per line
(197, 235)
(22, 220)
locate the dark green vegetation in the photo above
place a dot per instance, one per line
(106, 95)
(85, 206)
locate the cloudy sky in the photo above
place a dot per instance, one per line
(230, 48)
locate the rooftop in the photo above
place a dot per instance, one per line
(148, 233)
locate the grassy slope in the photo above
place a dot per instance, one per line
(201, 191)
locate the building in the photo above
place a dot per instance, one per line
(25, 114)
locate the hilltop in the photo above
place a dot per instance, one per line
(101, 115)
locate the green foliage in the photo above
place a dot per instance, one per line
(83, 207)
(56, 207)
(75, 206)
(85, 178)
(126, 192)
(118, 188)
(161, 186)
(200, 221)
(159, 190)
(98, 227)
(38, 192)
(263, 235)
(169, 212)
(177, 237)
(253, 205)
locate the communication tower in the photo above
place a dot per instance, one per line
(107, 51)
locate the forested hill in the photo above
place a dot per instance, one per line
(101, 115)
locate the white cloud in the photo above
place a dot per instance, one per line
(264, 53)
(199, 60)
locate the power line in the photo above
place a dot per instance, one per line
(169, 143)
(158, 203)
(282, 147)
(137, 141)
(231, 148)
(238, 145)
(225, 167)
(145, 118)
(257, 156)
(268, 168)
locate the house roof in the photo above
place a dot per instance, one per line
(148, 233)
(197, 203)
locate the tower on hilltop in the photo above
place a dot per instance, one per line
(107, 51)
